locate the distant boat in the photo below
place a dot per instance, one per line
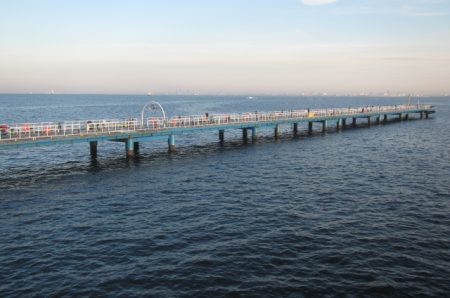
(52, 92)
(249, 97)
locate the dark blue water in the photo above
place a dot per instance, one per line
(362, 212)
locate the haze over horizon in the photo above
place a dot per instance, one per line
(261, 47)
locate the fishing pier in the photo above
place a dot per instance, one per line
(156, 125)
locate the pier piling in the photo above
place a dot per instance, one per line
(244, 134)
(295, 128)
(171, 142)
(221, 135)
(129, 147)
(277, 131)
(324, 126)
(310, 127)
(254, 134)
(93, 148)
(354, 122)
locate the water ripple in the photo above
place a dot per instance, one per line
(364, 212)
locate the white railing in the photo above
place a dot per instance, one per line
(88, 127)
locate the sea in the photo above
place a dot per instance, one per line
(359, 212)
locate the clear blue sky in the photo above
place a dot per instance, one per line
(234, 46)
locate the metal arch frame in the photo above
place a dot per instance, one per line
(152, 106)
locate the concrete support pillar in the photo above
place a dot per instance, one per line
(385, 118)
(171, 142)
(344, 122)
(354, 122)
(378, 120)
(244, 133)
(324, 126)
(136, 148)
(277, 131)
(221, 135)
(295, 128)
(93, 148)
(426, 115)
(338, 124)
(421, 115)
(400, 117)
(254, 134)
(368, 121)
(129, 147)
(407, 117)
(310, 127)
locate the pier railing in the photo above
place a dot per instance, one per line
(82, 128)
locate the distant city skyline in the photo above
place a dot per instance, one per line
(398, 47)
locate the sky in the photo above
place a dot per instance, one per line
(230, 47)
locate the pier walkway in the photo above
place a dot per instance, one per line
(132, 131)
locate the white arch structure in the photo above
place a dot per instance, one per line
(152, 106)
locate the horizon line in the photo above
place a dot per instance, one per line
(303, 94)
